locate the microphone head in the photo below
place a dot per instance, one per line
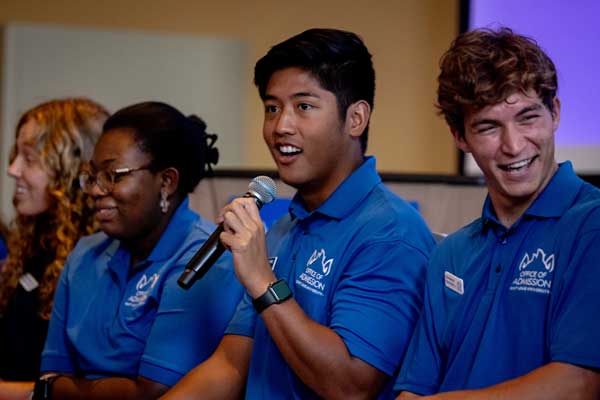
(263, 189)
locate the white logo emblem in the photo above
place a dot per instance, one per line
(312, 277)
(143, 288)
(535, 273)
(539, 254)
(325, 264)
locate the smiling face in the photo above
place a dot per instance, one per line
(130, 211)
(31, 176)
(513, 144)
(314, 150)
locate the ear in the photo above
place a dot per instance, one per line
(460, 141)
(555, 113)
(357, 117)
(170, 180)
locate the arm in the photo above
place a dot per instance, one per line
(554, 381)
(222, 376)
(68, 387)
(310, 349)
(313, 351)
(408, 396)
(15, 390)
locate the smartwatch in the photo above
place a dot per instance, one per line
(42, 390)
(276, 293)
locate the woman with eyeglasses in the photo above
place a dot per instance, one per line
(121, 326)
(53, 140)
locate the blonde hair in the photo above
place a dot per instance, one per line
(68, 131)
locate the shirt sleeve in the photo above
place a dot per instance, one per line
(377, 303)
(421, 369)
(189, 324)
(58, 354)
(575, 327)
(243, 322)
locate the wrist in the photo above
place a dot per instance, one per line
(277, 292)
(42, 390)
(260, 283)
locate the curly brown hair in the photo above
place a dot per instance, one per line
(68, 131)
(484, 67)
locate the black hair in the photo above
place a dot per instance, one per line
(171, 139)
(338, 59)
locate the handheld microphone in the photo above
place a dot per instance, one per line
(263, 190)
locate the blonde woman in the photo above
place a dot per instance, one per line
(53, 140)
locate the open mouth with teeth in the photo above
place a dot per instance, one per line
(518, 166)
(288, 150)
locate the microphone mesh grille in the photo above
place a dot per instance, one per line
(264, 188)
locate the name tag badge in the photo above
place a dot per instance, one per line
(454, 283)
(28, 282)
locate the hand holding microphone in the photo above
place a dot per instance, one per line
(263, 190)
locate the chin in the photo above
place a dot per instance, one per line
(292, 179)
(109, 230)
(522, 191)
(28, 211)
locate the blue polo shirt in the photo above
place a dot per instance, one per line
(357, 265)
(501, 302)
(111, 320)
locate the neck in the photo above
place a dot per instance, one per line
(142, 246)
(510, 209)
(508, 217)
(316, 192)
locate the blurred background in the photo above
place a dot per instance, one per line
(199, 56)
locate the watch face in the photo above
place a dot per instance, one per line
(281, 290)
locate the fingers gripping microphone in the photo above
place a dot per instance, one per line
(263, 190)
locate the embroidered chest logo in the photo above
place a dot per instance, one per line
(535, 273)
(317, 268)
(143, 288)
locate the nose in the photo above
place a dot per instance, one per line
(285, 122)
(14, 168)
(513, 141)
(95, 190)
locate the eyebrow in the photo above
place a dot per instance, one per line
(524, 110)
(104, 163)
(533, 107)
(294, 96)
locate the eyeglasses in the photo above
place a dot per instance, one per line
(105, 180)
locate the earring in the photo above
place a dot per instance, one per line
(164, 203)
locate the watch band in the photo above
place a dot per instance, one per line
(42, 390)
(276, 293)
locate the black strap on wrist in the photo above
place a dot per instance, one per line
(276, 293)
(42, 390)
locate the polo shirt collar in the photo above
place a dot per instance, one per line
(346, 197)
(555, 199)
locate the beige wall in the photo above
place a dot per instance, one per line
(445, 207)
(406, 38)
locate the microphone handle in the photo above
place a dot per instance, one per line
(208, 254)
(204, 258)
